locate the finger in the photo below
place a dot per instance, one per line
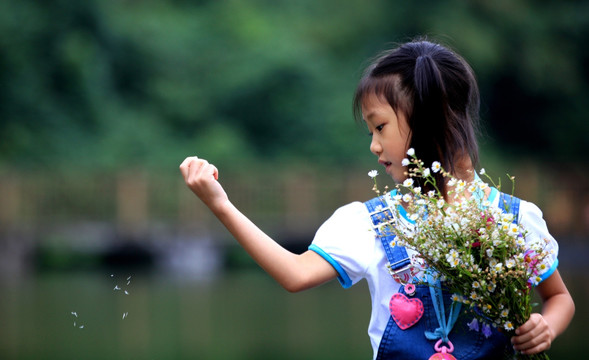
(535, 349)
(205, 171)
(196, 170)
(535, 340)
(188, 160)
(523, 338)
(185, 165)
(526, 327)
(530, 328)
(215, 172)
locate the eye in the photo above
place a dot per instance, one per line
(378, 129)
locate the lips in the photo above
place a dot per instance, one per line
(386, 164)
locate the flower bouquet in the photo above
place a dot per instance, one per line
(478, 251)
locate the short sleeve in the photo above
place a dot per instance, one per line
(533, 223)
(346, 240)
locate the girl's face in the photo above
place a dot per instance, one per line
(390, 134)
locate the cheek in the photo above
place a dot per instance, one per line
(398, 150)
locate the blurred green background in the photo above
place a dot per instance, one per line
(100, 101)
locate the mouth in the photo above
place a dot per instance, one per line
(386, 164)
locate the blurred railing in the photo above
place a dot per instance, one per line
(91, 210)
(135, 200)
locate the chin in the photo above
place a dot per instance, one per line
(398, 178)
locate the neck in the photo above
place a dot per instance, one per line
(464, 169)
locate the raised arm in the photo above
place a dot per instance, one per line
(293, 271)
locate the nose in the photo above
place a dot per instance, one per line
(375, 147)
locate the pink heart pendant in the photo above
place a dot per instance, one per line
(406, 312)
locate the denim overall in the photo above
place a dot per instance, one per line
(412, 343)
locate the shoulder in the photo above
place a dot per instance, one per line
(348, 228)
(526, 210)
(528, 213)
(530, 209)
(347, 241)
(531, 219)
(352, 215)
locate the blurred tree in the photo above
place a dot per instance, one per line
(115, 84)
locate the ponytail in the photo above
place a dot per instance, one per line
(428, 80)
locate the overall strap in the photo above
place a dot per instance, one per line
(510, 204)
(381, 214)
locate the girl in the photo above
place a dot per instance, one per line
(420, 95)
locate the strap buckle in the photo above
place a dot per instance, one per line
(381, 217)
(404, 274)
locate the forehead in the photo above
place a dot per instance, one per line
(374, 104)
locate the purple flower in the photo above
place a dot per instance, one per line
(487, 330)
(473, 325)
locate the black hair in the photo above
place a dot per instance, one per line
(436, 90)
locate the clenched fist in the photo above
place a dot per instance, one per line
(201, 177)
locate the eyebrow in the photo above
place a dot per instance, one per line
(371, 115)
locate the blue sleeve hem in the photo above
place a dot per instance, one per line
(549, 272)
(342, 277)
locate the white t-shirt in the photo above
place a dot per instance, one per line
(349, 243)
